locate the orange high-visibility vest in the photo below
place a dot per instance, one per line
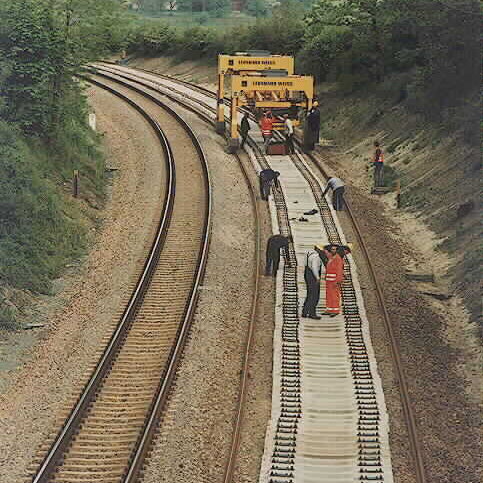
(266, 125)
(380, 158)
(335, 269)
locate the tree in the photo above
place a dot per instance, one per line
(44, 44)
(349, 35)
(257, 8)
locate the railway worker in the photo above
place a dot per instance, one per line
(334, 276)
(289, 133)
(337, 186)
(313, 124)
(266, 126)
(267, 178)
(274, 244)
(315, 262)
(244, 128)
(329, 251)
(378, 163)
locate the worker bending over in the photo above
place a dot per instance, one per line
(267, 178)
(334, 276)
(274, 244)
(337, 186)
(315, 261)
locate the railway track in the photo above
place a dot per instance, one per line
(361, 369)
(229, 470)
(108, 432)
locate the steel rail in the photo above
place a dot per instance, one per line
(146, 437)
(62, 441)
(196, 87)
(240, 412)
(236, 437)
(414, 441)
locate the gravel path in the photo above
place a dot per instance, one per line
(259, 391)
(61, 361)
(447, 415)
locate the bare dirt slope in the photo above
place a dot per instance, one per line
(190, 71)
(438, 166)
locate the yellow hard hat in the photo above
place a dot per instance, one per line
(320, 247)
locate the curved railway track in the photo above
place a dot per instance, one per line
(239, 417)
(410, 421)
(108, 432)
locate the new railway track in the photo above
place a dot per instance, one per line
(149, 80)
(108, 432)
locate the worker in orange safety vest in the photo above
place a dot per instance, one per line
(378, 165)
(334, 276)
(266, 126)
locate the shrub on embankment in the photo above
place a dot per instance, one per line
(44, 136)
(42, 227)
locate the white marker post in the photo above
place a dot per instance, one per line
(92, 121)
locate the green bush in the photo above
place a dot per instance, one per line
(37, 231)
(8, 317)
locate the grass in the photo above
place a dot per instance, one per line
(42, 228)
(8, 319)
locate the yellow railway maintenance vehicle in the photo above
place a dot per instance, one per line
(281, 94)
(244, 63)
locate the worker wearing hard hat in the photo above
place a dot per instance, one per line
(315, 262)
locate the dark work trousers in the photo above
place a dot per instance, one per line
(378, 174)
(289, 143)
(266, 141)
(273, 261)
(265, 188)
(312, 141)
(314, 138)
(313, 293)
(338, 198)
(243, 139)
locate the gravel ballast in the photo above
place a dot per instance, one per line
(196, 431)
(447, 415)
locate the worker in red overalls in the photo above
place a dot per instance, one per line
(334, 276)
(266, 126)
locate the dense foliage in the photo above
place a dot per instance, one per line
(44, 135)
(354, 43)
(36, 236)
(43, 43)
(361, 41)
